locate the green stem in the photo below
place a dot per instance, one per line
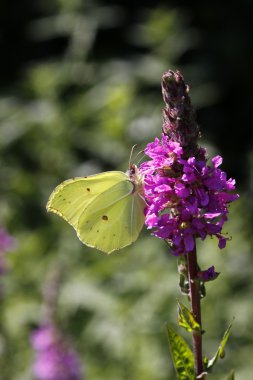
(196, 309)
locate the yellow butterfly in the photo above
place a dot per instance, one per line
(106, 209)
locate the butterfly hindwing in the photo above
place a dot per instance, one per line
(114, 219)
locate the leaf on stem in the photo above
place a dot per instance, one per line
(182, 356)
(231, 376)
(186, 319)
(221, 350)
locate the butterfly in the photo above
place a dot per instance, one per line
(106, 209)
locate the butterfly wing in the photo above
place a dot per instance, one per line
(114, 219)
(72, 197)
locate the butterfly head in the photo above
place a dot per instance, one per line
(136, 178)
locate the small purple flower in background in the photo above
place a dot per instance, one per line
(7, 243)
(208, 274)
(186, 197)
(55, 359)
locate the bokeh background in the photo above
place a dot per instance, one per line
(79, 85)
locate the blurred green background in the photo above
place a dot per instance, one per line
(79, 85)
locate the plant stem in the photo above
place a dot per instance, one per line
(196, 309)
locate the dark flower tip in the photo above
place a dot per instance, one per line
(179, 121)
(173, 87)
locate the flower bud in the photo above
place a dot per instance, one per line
(179, 120)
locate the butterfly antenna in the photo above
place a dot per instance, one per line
(142, 151)
(130, 158)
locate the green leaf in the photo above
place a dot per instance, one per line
(221, 351)
(231, 376)
(182, 356)
(186, 319)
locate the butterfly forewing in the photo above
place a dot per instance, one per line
(72, 197)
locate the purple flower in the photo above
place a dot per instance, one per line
(208, 274)
(6, 241)
(186, 198)
(55, 359)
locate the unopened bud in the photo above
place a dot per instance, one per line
(179, 120)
